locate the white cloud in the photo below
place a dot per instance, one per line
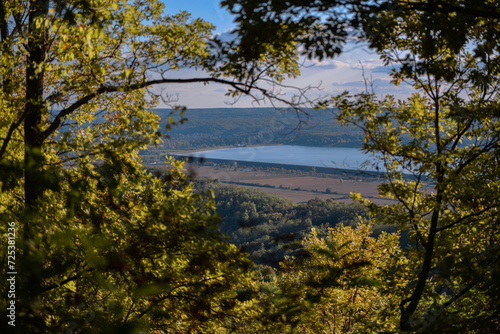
(346, 72)
(227, 36)
(325, 64)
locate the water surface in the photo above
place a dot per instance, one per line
(333, 157)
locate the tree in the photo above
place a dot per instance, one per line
(322, 27)
(444, 204)
(440, 146)
(446, 138)
(338, 287)
(142, 254)
(101, 245)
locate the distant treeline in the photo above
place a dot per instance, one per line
(269, 227)
(295, 169)
(256, 126)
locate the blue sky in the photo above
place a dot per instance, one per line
(333, 76)
(209, 10)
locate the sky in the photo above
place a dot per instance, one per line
(332, 76)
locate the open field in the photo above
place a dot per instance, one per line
(295, 187)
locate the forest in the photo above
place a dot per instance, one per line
(92, 242)
(270, 228)
(209, 128)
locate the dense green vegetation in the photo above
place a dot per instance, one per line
(98, 245)
(269, 227)
(448, 51)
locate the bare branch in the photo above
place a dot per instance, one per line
(8, 137)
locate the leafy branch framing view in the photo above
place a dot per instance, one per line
(104, 246)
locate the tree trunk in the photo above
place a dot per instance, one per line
(34, 109)
(30, 281)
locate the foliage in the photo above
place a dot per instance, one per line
(322, 27)
(318, 27)
(101, 245)
(111, 262)
(270, 228)
(452, 229)
(445, 136)
(341, 287)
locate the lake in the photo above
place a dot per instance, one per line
(330, 157)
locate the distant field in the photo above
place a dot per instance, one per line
(295, 187)
(230, 127)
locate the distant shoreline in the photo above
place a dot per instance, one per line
(218, 148)
(309, 169)
(232, 146)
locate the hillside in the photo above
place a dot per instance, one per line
(256, 126)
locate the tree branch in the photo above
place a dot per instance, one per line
(437, 6)
(241, 87)
(8, 137)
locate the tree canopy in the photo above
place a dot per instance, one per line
(103, 246)
(445, 136)
(100, 244)
(322, 27)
